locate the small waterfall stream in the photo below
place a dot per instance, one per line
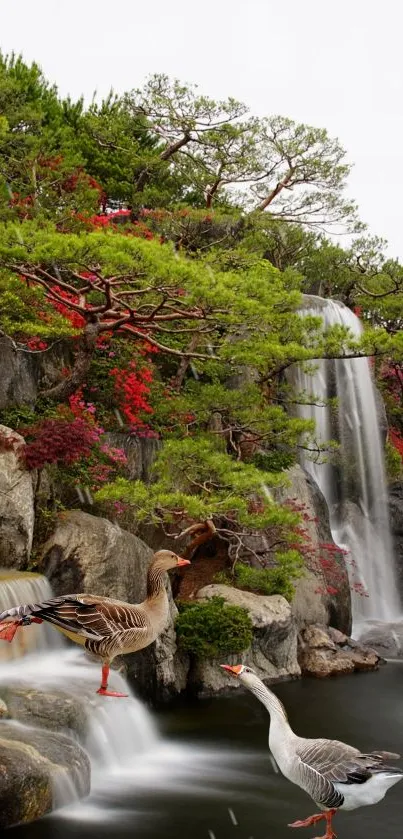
(353, 479)
(125, 748)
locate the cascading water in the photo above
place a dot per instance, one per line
(19, 587)
(353, 480)
(123, 744)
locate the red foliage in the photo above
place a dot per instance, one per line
(132, 389)
(76, 320)
(324, 558)
(36, 344)
(58, 441)
(396, 439)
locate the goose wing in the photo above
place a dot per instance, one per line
(89, 616)
(324, 763)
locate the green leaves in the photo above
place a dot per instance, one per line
(196, 480)
(210, 629)
(279, 579)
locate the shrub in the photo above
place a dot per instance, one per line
(394, 457)
(277, 580)
(209, 629)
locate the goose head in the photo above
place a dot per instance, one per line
(165, 560)
(245, 674)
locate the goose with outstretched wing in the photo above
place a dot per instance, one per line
(105, 627)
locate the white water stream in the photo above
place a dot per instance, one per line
(125, 749)
(352, 480)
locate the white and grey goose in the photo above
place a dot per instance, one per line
(335, 775)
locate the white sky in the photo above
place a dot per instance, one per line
(335, 64)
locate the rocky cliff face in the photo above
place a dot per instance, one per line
(323, 593)
(16, 504)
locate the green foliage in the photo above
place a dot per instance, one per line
(16, 416)
(25, 312)
(210, 629)
(220, 300)
(277, 580)
(197, 480)
(393, 462)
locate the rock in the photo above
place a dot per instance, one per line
(51, 709)
(322, 595)
(385, 638)
(381, 414)
(140, 453)
(396, 525)
(3, 710)
(19, 374)
(31, 761)
(324, 651)
(273, 653)
(16, 504)
(23, 374)
(92, 555)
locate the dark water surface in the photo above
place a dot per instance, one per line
(212, 777)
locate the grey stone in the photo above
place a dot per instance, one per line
(16, 505)
(30, 762)
(93, 555)
(324, 651)
(140, 453)
(23, 374)
(273, 653)
(55, 710)
(385, 638)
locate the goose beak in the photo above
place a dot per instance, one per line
(234, 670)
(182, 561)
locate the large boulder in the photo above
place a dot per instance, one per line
(273, 653)
(16, 503)
(323, 594)
(53, 709)
(385, 638)
(31, 763)
(94, 556)
(324, 651)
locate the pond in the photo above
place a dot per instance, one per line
(208, 774)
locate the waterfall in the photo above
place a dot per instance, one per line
(352, 479)
(20, 587)
(40, 658)
(125, 748)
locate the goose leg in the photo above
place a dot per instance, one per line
(328, 815)
(103, 690)
(9, 628)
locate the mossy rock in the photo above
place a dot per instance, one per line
(29, 760)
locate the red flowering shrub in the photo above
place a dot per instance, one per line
(326, 559)
(76, 320)
(36, 344)
(396, 439)
(58, 441)
(132, 389)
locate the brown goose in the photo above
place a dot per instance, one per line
(336, 776)
(105, 627)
